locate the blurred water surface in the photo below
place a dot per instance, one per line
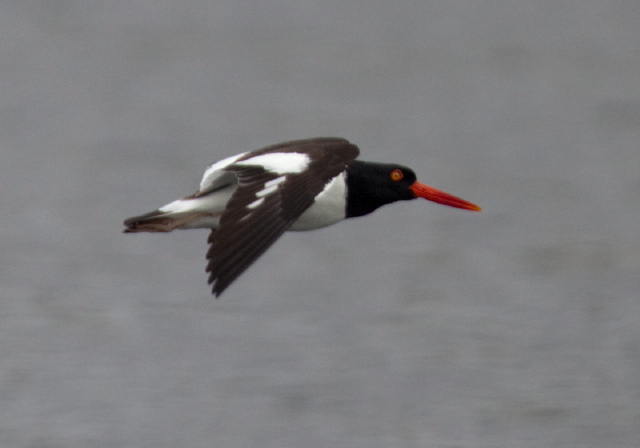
(416, 326)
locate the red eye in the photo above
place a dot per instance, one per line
(396, 175)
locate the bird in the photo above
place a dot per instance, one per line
(250, 199)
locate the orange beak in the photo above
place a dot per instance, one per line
(439, 196)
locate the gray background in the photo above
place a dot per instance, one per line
(417, 326)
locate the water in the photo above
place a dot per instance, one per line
(416, 326)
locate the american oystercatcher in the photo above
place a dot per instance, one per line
(250, 199)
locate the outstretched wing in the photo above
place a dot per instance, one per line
(275, 186)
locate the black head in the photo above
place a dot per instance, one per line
(372, 185)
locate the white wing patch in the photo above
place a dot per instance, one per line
(215, 175)
(276, 181)
(265, 191)
(279, 163)
(270, 186)
(255, 204)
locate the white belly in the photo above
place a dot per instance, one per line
(328, 208)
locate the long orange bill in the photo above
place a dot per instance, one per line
(439, 196)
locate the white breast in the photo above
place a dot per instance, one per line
(329, 206)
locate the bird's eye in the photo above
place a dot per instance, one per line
(396, 175)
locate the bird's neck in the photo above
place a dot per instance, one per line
(362, 189)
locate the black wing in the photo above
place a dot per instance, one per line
(245, 231)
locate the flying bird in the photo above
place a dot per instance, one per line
(249, 200)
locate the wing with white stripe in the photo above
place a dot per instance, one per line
(217, 176)
(275, 186)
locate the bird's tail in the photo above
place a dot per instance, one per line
(160, 221)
